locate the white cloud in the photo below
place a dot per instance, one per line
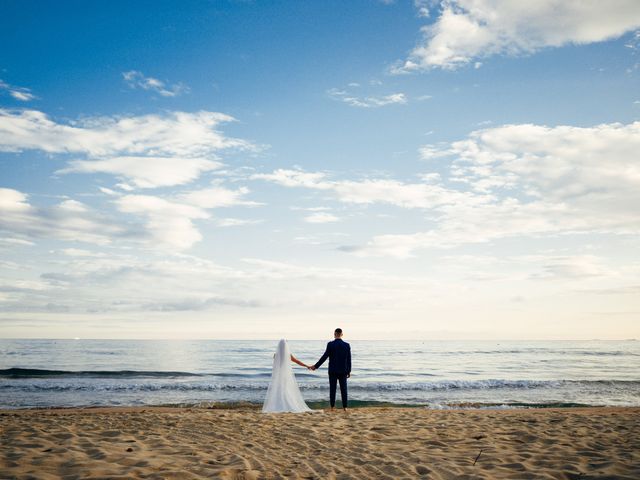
(217, 196)
(370, 191)
(160, 223)
(121, 283)
(321, 217)
(310, 209)
(531, 180)
(20, 286)
(398, 246)
(572, 268)
(136, 79)
(473, 29)
(108, 191)
(460, 224)
(560, 164)
(512, 180)
(369, 101)
(19, 93)
(406, 195)
(146, 151)
(67, 220)
(149, 150)
(22, 95)
(236, 222)
(79, 252)
(15, 241)
(295, 178)
(147, 171)
(124, 186)
(172, 133)
(634, 41)
(424, 7)
(169, 224)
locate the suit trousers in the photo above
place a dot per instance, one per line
(333, 381)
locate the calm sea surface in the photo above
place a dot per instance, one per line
(439, 374)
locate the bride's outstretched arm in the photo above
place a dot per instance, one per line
(295, 360)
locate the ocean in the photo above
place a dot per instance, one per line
(437, 374)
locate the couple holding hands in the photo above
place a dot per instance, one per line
(283, 394)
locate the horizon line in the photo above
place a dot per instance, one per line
(357, 339)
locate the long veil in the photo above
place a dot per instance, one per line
(283, 394)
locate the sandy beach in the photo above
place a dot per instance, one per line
(386, 443)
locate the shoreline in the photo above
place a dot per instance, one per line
(254, 407)
(324, 404)
(375, 442)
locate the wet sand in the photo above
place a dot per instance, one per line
(387, 443)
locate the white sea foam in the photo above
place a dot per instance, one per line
(491, 374)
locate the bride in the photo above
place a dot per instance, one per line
(283, 394)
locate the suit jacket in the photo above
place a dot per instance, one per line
(339, 354)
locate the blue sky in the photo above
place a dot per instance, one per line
(459, 169)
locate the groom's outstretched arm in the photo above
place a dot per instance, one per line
(324, 356)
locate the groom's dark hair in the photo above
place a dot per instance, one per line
(338, 331)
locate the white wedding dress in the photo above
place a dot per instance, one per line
(283, 394)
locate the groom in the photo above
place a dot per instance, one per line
(339, 354)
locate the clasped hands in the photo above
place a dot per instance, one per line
(313, 368)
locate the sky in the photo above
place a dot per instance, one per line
(458, 169)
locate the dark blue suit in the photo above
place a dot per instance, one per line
(339, 354)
